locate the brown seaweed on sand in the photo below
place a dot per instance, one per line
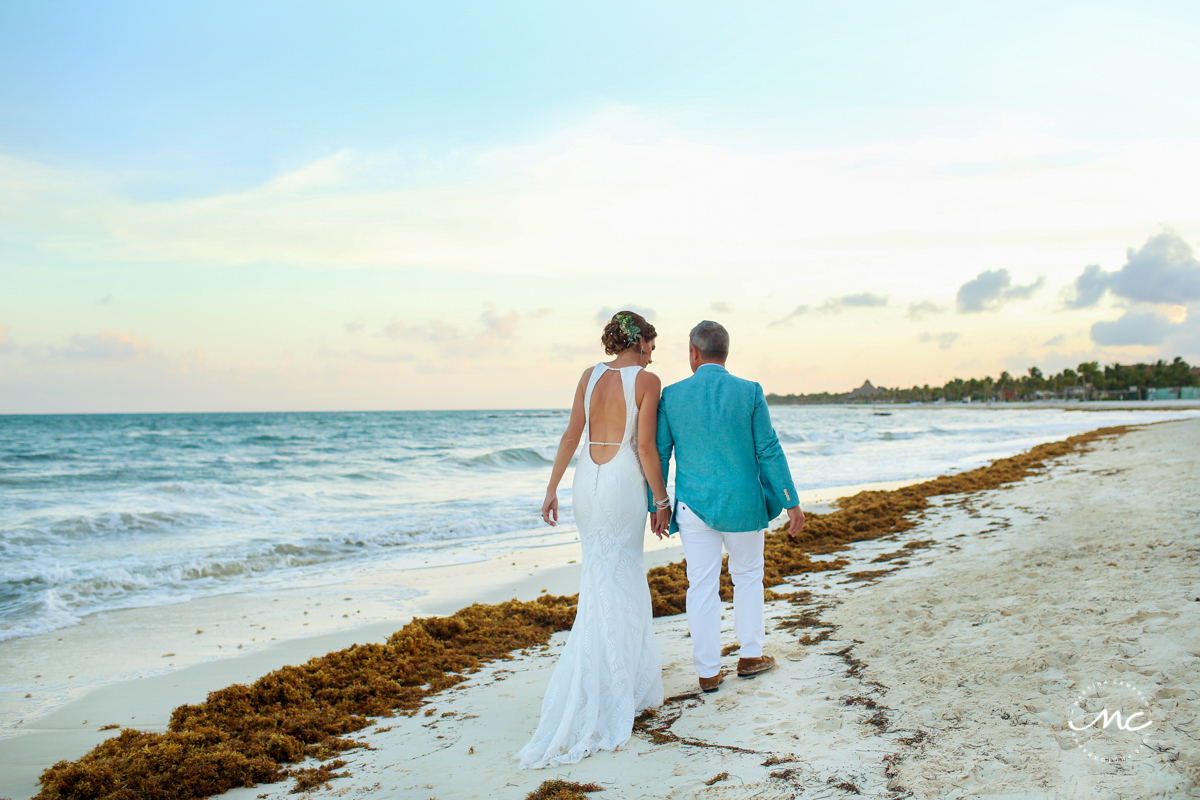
(316, 777)
(244, 734)
(557, 789)
(720, 776)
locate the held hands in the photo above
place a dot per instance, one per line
(660, 522)
(550, 508)
(795, 520)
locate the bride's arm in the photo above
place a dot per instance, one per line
(567, 446)
(649, 390)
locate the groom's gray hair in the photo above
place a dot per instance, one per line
(711, 339)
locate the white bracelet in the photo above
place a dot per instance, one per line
(664, 503)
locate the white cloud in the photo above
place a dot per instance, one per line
(944, 340)
(497, 327)
(1163, 270)
(605, 315)
(991, 290)
(621, 194)
(1185, 339)
(798, 311)
(861, 300)
(1088, 288)
(918, 310)
(364, 356)
(1132, 328)
(835, 305)
(107, 345)
(495, 334)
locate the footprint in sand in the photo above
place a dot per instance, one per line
(1144, 616)
(827, 724)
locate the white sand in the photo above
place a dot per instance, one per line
(975, 651)
(1091, 573)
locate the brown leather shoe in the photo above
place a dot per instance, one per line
(749, 667)
(711, 684)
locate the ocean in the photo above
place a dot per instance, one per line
(100, 512)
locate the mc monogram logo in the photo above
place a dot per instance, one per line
(1111, 721)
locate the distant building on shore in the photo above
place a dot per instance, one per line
(866, 390)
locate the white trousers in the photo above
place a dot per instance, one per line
(702, 547)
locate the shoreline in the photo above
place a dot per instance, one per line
(1004, 435)
(521, 577)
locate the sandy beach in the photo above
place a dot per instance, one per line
(943, 661)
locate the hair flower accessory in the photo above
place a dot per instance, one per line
(632, 332)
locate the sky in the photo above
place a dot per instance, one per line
(260, 206)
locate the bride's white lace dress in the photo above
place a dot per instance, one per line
(611, 668)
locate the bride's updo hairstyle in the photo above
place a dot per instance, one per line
(624, 330)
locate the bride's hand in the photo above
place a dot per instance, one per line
(550, 508)
(662, 525)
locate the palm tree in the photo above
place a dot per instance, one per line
(1089, 371)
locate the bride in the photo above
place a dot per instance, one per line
(611, 668)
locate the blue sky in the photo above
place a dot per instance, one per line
(378, 205)
(222, 95)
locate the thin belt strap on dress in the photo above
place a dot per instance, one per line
(610, 444)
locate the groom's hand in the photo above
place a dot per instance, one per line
(661, 521)
(795, 520)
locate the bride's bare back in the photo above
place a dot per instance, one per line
(607, 416)
(599, 415)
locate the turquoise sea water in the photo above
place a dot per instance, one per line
(109, 511)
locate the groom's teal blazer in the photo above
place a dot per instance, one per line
(730, 469)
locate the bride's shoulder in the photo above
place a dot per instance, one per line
(647, 379)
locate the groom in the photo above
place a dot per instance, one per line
(732, 480)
